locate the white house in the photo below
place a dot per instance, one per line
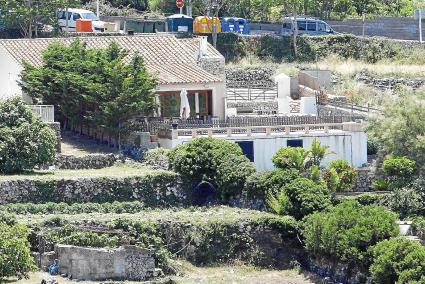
(259, 143)
(187, 63)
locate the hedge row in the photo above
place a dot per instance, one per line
(278, 48)
(160, 188)
(222, 235)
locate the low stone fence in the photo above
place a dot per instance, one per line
(92, 161)
(160, 188)
(364, 180)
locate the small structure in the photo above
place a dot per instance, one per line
(180, 23)
(347, 140)
(236, 25)
(204, 24)
(189, 63)
(125, 263)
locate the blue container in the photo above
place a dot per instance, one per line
(180, 23)
(235, 25)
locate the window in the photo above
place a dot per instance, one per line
(90, 16)
(294, 143)
(76, 16)
(311, 26)
(302, 25)
(287, 26)
(328, 29)
(247, 149)
(322, 27)
(62, 15)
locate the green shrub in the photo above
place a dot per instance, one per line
(380, 185)
(347, 231)
(406, 202)
(398, 260)
(157, 158)
(418, 227)
(25, 141)
(74, 208)
(372, 145)
(15, 254)
(290, 158)
(260, 184)
(232, 174)
(7, 218)
(305, 197)
(400, 170)
(340, 176)
(232, 46)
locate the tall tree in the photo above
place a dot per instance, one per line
(91, 87)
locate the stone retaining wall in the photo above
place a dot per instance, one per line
(389, 83)
(93, 161)
(124, 263)
(250, 76)
(364, 180)
(162, 188)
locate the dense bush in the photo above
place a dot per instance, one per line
(261, 184)
(398, 260)
(405, 202)
(25, 141)
(346, 232)
(15, 254)
(340, 176)
(217, 161)
(400, 170)
(231, 45)
(157, 158)
(290, 158)
(198, 160)
(418, 227)
(232, 174)
(404, 128)
(302, 197)
(372, 145)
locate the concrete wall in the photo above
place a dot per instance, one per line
(128, 262)
(351, 146)
(404, 28)
(9, 76)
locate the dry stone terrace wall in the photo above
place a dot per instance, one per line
(250, 76)
(162, 188)
(389, 83)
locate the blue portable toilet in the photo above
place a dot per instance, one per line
(180, 23)
(241, 26)
(235, 25)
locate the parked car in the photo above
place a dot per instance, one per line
(74, 14)
(307, 26)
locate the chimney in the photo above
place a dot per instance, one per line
(203, 46)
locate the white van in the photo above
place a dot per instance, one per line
(74, 14)
(307, 26)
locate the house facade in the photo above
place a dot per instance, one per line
(177, 63)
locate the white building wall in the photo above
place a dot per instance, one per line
(345, 145)
(218, 94)
(9, 76)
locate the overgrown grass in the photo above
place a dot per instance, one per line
(119, 170)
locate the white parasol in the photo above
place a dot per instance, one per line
(184, 105)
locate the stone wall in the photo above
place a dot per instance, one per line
(258, 107)
(57, 129)
(93, 161)
(161, 188)
(124, 263)
(364, 180)
(250, 76)
(215, 66)
(389, 83)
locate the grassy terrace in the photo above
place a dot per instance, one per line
(122, 170)
(195, 216)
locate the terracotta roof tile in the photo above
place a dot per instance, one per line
(173, 60)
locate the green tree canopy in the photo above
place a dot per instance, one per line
(91, 87)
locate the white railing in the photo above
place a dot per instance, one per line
(46, 112)
(260, 130)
